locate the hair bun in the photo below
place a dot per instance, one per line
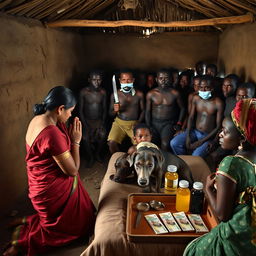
(39, 109)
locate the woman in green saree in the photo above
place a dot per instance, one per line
(232, 190)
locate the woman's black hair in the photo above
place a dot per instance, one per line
(56, 97)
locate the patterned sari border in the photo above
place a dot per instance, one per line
(226, 175)
(247, 160)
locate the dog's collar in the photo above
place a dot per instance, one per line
(147, 144)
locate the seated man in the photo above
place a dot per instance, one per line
(211, 70)
(229, 86)
(195, 84)
(128, 111)
(217, 153)
(206, 113)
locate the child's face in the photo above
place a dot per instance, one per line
(142, 135)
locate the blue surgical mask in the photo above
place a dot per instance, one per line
(129, 85)
(205, 94)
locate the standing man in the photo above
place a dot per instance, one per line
(164, 109)
(206, 113)
(92, 108)
(128, 112)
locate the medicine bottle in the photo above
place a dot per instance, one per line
(197, 198)
(171, 180)
(183, 196)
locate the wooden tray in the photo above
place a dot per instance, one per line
(144, 233)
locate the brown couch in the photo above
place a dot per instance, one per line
(110, 235)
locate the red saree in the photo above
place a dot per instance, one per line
(64, 209)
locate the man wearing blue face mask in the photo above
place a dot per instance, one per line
(204, 121)
(128, 111)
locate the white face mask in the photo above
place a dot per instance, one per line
(205, 94)
(126, 88)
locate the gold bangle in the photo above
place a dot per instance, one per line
(76, 143)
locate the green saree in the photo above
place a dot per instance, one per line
(234, 236)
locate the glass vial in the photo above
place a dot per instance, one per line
(183, 196)
(197, 198)
(171, 180)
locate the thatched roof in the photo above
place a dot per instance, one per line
(49, 11)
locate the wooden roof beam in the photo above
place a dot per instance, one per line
(121, 23)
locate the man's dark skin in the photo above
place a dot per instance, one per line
(129, 107)
(162, 104)
(93, 114)
(200, 68)
(208, 115)
(212, 71)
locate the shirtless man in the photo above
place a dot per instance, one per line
(128, 112)
(164, 109)
(207, 113)
(211, 70)
(92, 108)
(229, 86)
(195, 84)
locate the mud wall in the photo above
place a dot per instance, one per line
(237, 51)
(32, 60)
(180, 50)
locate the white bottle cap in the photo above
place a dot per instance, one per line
(183, 184)
(198, 185)
(172, 168)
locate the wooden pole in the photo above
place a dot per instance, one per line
(137, 23)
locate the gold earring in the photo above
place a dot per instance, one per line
(240, 147)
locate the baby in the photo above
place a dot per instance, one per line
(142, 133)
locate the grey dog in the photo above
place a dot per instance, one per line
(148, 165)
(148, 162)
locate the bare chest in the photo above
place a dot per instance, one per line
(166, 98)
(128, 99)
(93, 97)
(208, 107)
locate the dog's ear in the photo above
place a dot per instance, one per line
(159, 158)
(130, 158)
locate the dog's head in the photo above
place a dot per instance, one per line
(123, 169)
(146, 161)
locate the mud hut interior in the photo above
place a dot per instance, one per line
(45, 43)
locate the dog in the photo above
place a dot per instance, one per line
(147, 161)
(147, 166)
(124, 171)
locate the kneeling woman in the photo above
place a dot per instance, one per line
(235, 197)
(64, 209)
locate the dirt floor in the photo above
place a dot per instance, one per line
(91, 177)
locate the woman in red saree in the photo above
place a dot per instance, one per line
(64, 209)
